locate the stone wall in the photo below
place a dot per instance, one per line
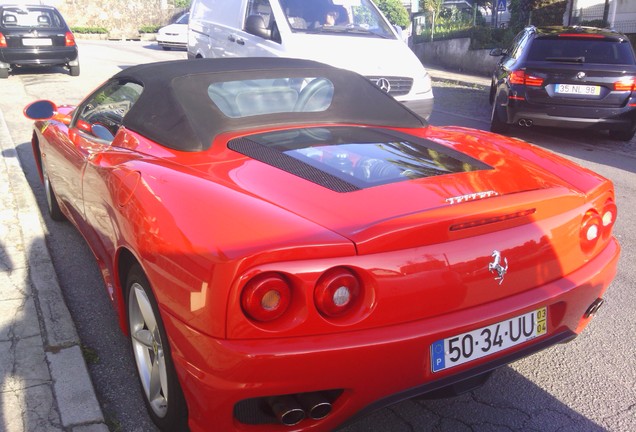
(456, 54)
(122, 18)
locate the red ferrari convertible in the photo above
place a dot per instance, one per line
(289, 247)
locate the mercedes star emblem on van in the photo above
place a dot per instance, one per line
(384, 84)
(497, 267)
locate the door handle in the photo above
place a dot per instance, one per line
(231, 38)
(240, 41)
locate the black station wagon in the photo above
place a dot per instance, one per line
(571, 77)
(35, 36)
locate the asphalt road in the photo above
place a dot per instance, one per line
(586, 385)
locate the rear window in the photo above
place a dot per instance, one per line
(31, 17)
(245, 98)
(581, 50)
(346, 159)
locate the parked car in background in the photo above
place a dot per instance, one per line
(571, 77)
(35, 36)
(288, 246)
(349, 34)
(174, 35)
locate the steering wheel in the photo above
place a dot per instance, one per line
(310, 91)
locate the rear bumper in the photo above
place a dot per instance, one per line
(598, 118)
(39, 56)
(371, 368)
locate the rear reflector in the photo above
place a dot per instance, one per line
(3, 41)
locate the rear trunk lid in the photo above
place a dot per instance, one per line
(385, 190)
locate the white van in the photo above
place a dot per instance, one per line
(349, 34)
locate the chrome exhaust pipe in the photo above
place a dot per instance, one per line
(525, 122)
(315, 405)
(286, 409)
(594, 307)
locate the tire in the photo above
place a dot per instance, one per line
(493, 91)
(622, 135)
(74, 70)
(496, 124)
(51, 199)
(4, 73)
(159, 383)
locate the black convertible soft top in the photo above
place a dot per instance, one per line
(175, 108)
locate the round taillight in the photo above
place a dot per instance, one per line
(609, 214)
(337, 292)
(266, 297)
(591, 228)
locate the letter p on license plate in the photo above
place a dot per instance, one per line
(475, 344)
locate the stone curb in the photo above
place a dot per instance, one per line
(71, 385)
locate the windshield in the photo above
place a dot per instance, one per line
(357, 17)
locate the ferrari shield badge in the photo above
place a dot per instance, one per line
(499, 266)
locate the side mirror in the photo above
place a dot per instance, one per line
(40, 110)
(45, 110)
(255, 24)
(102, 132)
(498, 52)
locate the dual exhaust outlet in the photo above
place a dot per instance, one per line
(292, 409)
(525, 122)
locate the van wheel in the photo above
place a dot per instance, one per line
(157, 376)
(74, 70)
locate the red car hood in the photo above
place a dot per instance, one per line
(434, 209)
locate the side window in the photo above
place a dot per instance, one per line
(517, 45)
(107, 107)
(259, 20)
(260, 8)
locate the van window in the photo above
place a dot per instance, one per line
(261, 8)
(245, 98)
(355, 17)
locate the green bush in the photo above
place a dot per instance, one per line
(149, 29)
(89, 30)
(395, 12)
(481, 37)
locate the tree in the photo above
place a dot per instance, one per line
(395, 12)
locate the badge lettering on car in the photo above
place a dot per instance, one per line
(471, 197)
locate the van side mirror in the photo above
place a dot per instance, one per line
(255, 24)
(498, 52)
